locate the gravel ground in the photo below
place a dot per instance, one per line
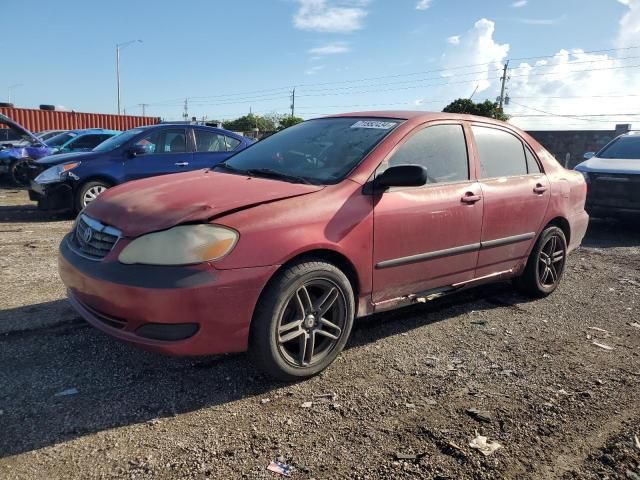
(397, 404)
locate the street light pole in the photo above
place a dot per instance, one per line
(11, 88)
(120, 46)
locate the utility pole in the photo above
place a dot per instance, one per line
(185, 115)
(504, 79)
(120, 46)
(293, 102)
(144, 106)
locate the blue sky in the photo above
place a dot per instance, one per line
(229, 56)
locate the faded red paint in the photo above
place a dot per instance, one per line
(39, 120)
(278, 221)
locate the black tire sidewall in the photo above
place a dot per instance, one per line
(12, 171)
(263, 341)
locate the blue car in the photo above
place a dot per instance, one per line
(79, 140)
(70, 181)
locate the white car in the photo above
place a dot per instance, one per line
(613, 177)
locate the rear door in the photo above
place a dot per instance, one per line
(212, 147)
(516, 196)
(168, 151)
(427, 237)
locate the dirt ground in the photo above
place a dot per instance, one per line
(75, 403)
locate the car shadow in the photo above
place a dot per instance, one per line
(70, 380)
(29, 213)
(612, 233)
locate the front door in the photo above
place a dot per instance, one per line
(167, 151)
(516, 194)
(427, 237)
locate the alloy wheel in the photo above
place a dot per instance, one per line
(92, 193)
(551, 261)
(311, 322)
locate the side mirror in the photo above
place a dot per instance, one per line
(589, 155)
(402, 176)
(136, 150)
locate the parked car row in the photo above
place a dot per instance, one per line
(17, 157)
(281, 246)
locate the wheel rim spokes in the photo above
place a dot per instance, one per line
(551, 261)
(92, 194)
(312, 322)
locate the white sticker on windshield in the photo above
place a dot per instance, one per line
(373, 124)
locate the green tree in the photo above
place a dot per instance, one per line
(485, 109)
(248, 122)
(288, 121)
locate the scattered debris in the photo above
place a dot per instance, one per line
(265, 400)
(479, 415)
(635, 324)
(67, 392)
(280, 468)
(480, 321)
(410, 456)
(331, 395)
(486, 446)
(307, 405)
(410, 405)
(637, 441)
(602, 346)
(596, 329)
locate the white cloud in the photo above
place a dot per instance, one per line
(542, 21)
(423, 4)
(477, 46)
(629, 33)
(330, 49)
(313, 70)
(519, 3)
(454, 40)
(418, 102)
(336, 17)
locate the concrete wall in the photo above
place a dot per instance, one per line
(569, 146)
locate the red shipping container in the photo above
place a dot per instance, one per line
(38, 120)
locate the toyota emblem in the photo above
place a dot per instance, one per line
(87, 235)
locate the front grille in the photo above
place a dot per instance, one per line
(92, 239)
(617, 190)
(113, 322)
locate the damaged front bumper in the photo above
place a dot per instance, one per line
(52, 196)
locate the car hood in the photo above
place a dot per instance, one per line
(158, 203)
(53, 160)
(610, 165)
(16, 127)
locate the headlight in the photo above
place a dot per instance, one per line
(56, 173)
(183, 245)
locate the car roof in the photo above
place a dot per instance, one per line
(84, 131)
(419, 116)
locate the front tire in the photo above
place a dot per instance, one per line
(303, 321)
(19, 172)
(545, 265)
(88, 192)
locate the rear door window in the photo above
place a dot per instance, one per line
(442, 149)
(501, 154)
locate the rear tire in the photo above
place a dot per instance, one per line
(88, 192)
(302, 321)
(546, 264)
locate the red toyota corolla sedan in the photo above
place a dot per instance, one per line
(281, 247)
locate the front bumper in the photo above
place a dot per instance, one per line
(51, 196)
(210, 309)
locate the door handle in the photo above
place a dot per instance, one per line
(539, 188)
(181, 164)
(470, 197)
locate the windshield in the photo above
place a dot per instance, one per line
(118, 140)
(318, 151)
(60, 139)
(623, 147)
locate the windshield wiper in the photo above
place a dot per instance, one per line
(267, 172)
